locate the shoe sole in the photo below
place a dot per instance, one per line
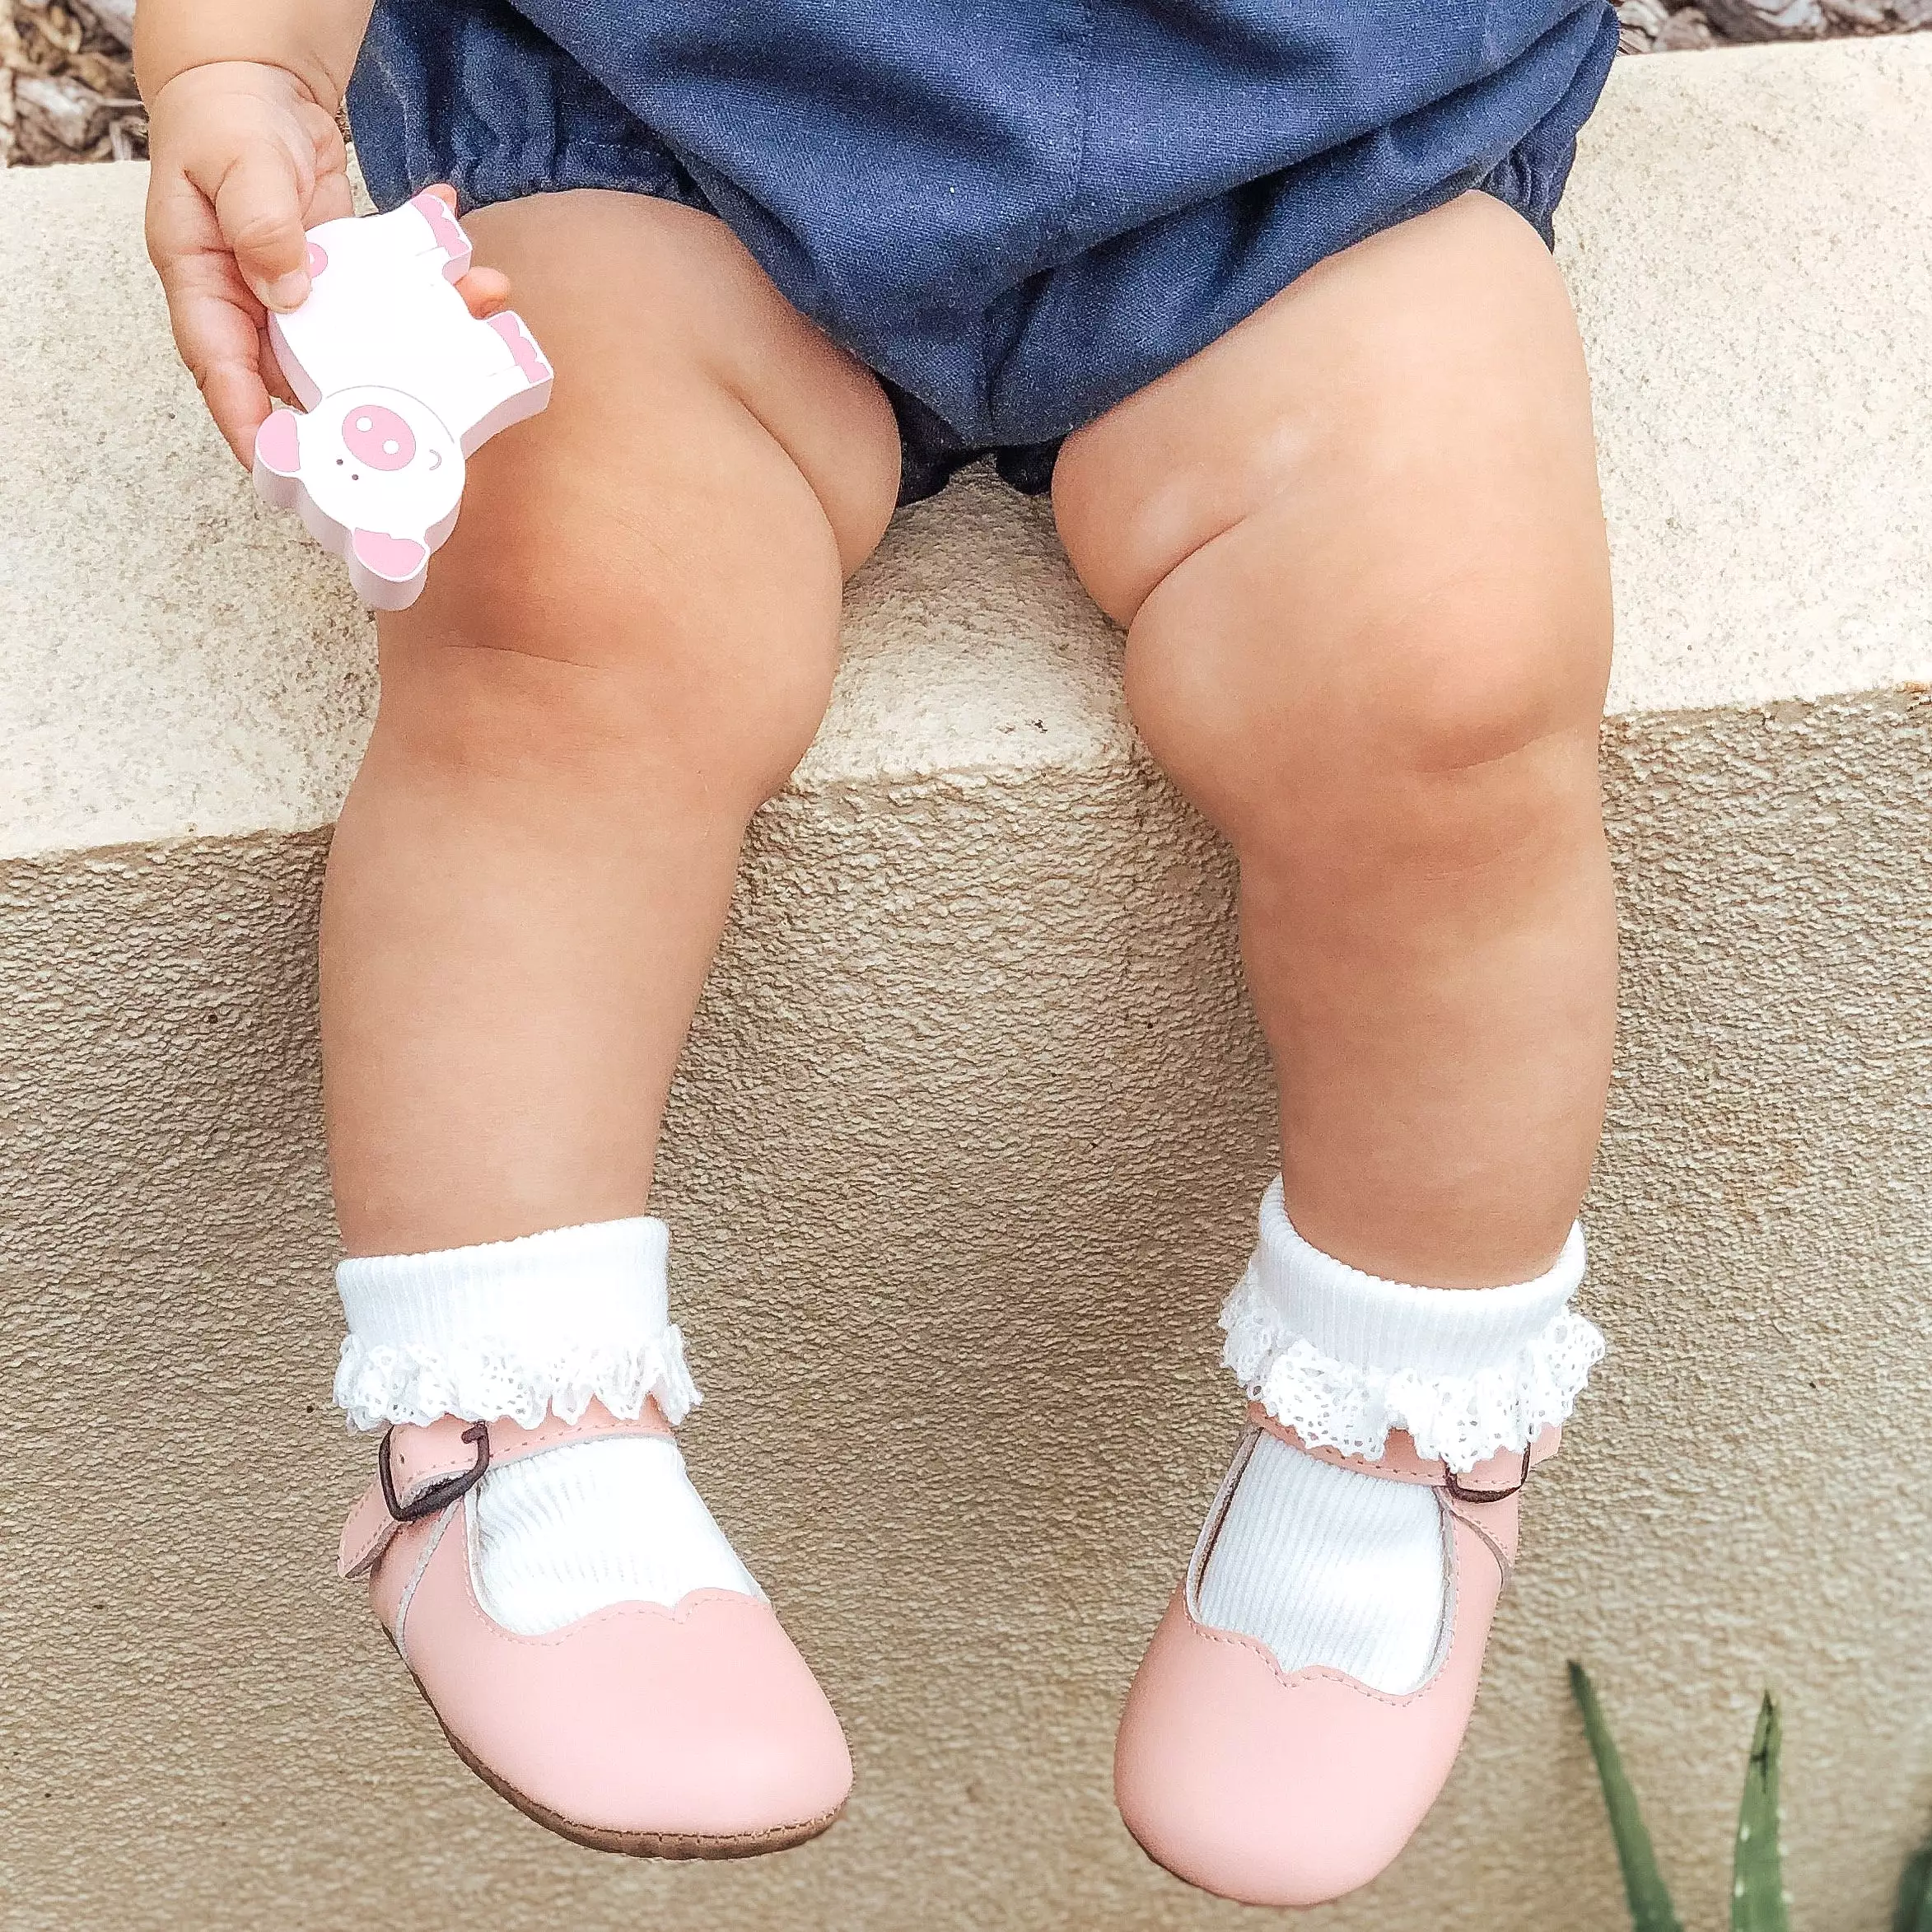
(669, 1845)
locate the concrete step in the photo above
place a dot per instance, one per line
(970, 1135)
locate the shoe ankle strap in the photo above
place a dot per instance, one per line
(422, 1469)
(1494, 1480)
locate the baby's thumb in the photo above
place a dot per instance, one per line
(259, 206)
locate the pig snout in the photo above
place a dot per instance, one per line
(377, 437)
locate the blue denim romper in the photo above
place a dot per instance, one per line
(1016, 211)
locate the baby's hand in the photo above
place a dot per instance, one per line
(244, 159)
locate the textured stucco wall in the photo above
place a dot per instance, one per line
(957, 1178)
(965, 1152)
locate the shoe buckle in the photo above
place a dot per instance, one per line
(1487, 1496)
(440, 1495)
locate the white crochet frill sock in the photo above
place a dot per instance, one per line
(1329, 1566)
(546, 1322)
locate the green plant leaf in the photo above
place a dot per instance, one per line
(1757, 1879)
(1650, 1909)
(1911, 1912)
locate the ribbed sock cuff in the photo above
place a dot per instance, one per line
(548, 1322)
(1343, 1357)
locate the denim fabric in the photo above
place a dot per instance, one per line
(1016, 211)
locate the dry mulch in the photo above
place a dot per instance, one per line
(66, 82)
(1673, 26)
(67, 76)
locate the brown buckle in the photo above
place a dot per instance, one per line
(1487, 1496)
(439, 1494)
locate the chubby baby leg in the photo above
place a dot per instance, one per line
(621, 652)
(1358, 548)
(624, 649)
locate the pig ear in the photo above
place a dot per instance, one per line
(278, 444)
(397, 559)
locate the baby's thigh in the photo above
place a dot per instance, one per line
(666, 543)
(1363, 528)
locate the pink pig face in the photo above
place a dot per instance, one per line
(376, 461)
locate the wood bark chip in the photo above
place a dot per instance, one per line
(112, 19)
(57, 108)
(1641, 24)
(9, 65)
(1686, 31)
(1767, 19)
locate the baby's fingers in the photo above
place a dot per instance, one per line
(486, 290)
(258, 203)
(238, 400)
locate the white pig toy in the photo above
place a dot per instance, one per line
(399, 384)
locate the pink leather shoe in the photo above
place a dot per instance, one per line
(692, 1732)
(1291, 1789)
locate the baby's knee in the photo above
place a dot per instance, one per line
(1443, 723)
(1449, 697)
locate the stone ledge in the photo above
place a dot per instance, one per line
(1747, 237)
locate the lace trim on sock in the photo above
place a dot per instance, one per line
(377, 1385)
(1462, 1419)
